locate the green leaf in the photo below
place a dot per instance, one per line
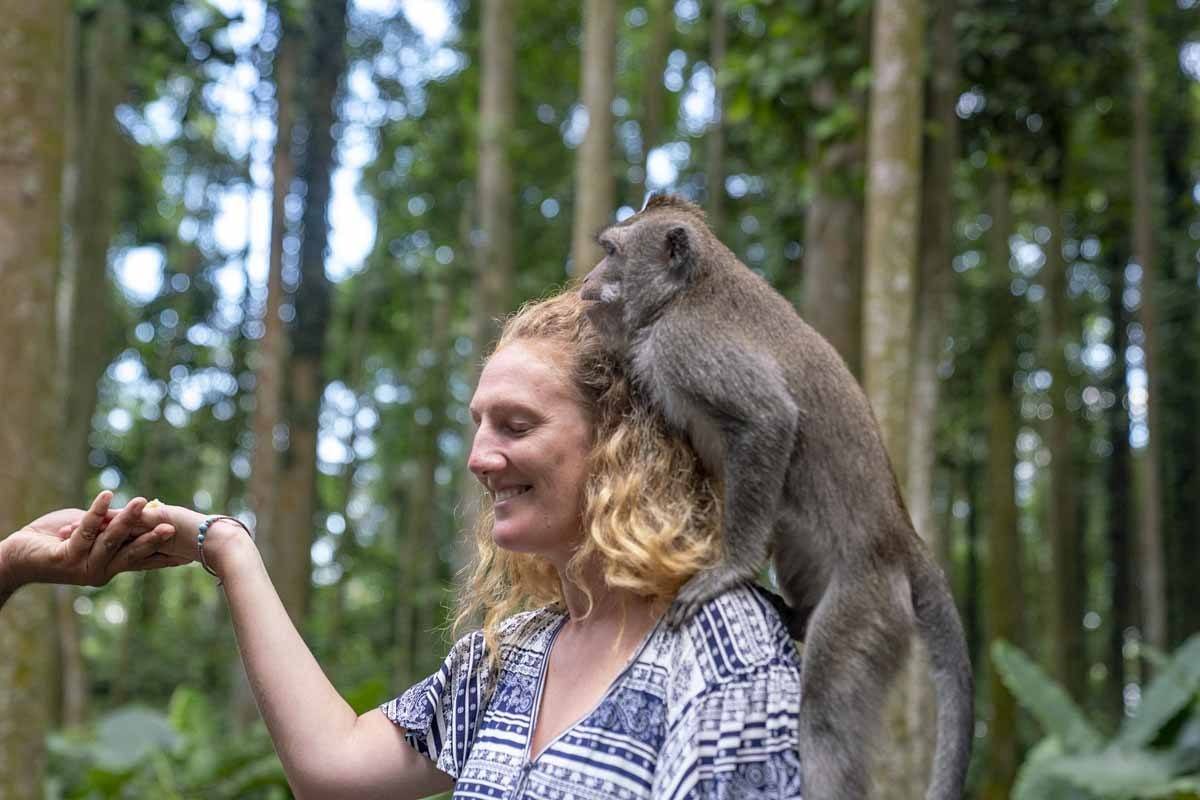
(128, 735)
(739, 107)
(1116, 773)
(1187, 788)
(191, 713)
(1035, 780)
(1045, 700)
(1171, 690)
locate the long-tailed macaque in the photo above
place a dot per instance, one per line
(771, 408)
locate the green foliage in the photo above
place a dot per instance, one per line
(1173, 688)
(136, 752)
(1045, 699)
(1150, 757)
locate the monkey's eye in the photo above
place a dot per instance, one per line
(609, 248)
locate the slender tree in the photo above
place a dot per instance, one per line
(1002, 575)
(934, 284)
(272, 353)
(494, 253)
(1062, 521)
(833, 245)
(893, 204)
(1123, 613)
(714, 166)
(595, 187)
(497, 101)
(417, 618)
(1152, 574)
(298, 496)
(85, 323)
(832, 300)
(661, 24)
(31, 165)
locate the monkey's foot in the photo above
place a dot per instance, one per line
(700, 588)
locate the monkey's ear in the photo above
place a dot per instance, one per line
(681, 259)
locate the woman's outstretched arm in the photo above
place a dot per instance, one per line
(327, 750)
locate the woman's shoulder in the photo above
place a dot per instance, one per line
(527, 627)
(733, 635)
(523, 630)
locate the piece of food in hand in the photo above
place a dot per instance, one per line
(155, 503)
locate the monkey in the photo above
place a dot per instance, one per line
(772, 410)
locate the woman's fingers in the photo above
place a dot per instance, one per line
(142, 552)
(118, 532)
(83, 538)
(159, 561)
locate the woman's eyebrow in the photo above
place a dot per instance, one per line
(508, 407)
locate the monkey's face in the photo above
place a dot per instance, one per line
(530, 451)
(648, 260)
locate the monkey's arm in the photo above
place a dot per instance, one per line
(736, 406)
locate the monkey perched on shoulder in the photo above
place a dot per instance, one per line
(771, 408)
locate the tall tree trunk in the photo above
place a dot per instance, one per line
(1003, 543)
(84, 293)
(661, 23)
(272, 356)
(1152, 573)
(833, 236)
(893, 206)
(297, 495)
(714, 162)
(243, 709)
(1121, 556)
(935, 281)
(418, 564)
(272, 350)
(84, 324)
(1067, 583)
(832, 300)
(595, 187)
(494, 254)
(971, 590)
(497, 101)
(1179, 334)
(31, 167)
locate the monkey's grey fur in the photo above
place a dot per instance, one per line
(770, 407)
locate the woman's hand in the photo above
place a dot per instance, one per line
(85, 548)
(220, 542)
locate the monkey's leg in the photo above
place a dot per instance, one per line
(857, 640)
(803, 563)
(757, 449)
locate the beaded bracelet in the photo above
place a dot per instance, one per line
(203, 532)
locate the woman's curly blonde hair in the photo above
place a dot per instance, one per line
(651, 514)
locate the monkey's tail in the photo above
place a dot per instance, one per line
(941, 629)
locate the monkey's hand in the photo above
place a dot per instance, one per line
(700, 588)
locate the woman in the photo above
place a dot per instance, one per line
(595, 516)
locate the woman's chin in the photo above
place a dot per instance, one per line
(513, 540)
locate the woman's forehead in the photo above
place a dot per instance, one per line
(527, 371)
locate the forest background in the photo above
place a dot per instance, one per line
(251, 252)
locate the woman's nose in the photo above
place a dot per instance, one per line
(484, 457)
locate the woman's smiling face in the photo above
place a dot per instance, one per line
(531, 450)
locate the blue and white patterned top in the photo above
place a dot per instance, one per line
(708, 712)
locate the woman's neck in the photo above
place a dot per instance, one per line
(607, 607)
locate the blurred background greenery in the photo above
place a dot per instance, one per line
(252, 250)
